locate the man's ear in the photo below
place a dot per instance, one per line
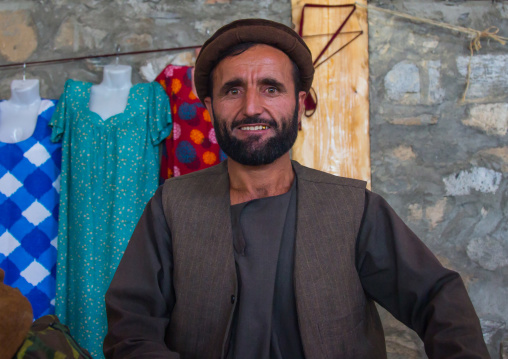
(208, 105)
(301, 104)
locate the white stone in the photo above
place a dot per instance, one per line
(402, 83)
(9, 184)
(488, 75)
(490, 253)
(479, 178)
(436, 92)
(34, 273)
(490, 118)
(491, 328)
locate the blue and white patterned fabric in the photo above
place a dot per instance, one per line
(29, 196)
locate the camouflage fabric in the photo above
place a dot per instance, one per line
(50, 339)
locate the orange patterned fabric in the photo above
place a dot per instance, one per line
(191, 146)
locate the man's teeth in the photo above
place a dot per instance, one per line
(253, 128)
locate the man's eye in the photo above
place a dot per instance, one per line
(233, 91)
(271, 90)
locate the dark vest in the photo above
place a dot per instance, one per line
(335, 317)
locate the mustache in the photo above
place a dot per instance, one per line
(253, 120)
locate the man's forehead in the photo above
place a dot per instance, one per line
(260, 57)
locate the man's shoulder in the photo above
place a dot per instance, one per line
(198, 176)
(316, 176)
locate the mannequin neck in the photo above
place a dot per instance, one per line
(117, 77)
(24, 92)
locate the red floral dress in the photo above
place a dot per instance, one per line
(191, 146)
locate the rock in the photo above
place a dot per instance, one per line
(415, 212)
(19, 39)
(492, 329)
(498, 154)
(490, 253)
(436, 93)
(402, 83)
(490, 118)
(404, 153)
(503, 350)
(480, 179)
(488, 75)
(435, 213)
(421, 120)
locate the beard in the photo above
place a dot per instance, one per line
(251, 152)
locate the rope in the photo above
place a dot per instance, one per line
(475, 35)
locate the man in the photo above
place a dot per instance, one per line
(260, 257)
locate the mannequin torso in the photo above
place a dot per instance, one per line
(18, 115)
(109, 98)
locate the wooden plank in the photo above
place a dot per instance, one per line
(336, 138)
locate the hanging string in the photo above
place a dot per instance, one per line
(116, 54)
(476, 35)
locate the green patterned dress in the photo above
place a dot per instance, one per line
(110, 169)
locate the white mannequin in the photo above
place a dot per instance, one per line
(18, 115)
(110, 97)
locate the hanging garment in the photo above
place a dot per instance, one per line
(192, 145)
(110, 170)
(29, 187)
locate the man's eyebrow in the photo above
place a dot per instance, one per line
(231, 83)
(269, 81)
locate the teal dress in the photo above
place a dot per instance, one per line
(110, 169)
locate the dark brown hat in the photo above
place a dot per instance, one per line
(258, 31)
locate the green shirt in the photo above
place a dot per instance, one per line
(110, 169)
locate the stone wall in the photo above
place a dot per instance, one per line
(442, 164)
(32, 30)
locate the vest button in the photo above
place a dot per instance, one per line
(233, 298)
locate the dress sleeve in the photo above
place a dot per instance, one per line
(159, 114)
(141, 296)
(62, 113)
(400, 273)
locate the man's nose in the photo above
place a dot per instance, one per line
(253, 103)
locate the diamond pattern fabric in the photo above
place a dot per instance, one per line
(29, 195)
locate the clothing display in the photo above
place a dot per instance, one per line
(110, 169)
(29, 195)
(179, 282)
(192, 144)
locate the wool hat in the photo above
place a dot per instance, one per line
(257, 31)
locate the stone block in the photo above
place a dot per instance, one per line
(489, 252)
(436, 92)
(422, 120)
(479, 178)
(435, 213)
(415, 212)
(72, 35)
(492, 330)
(503, 347)
(490, 118)
(403, 153)
(489, 77)
(402, 83)
(19, 39)
(498, 154)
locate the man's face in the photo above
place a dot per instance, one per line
(255, 111)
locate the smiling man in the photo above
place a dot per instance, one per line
(260, 257)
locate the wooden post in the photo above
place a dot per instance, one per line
(336, 138)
